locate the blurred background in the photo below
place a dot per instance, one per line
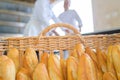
(97, 15)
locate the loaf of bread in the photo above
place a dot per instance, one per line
(54, 68)
(110, 65)
(30, 59)
(44, 59)
(7, 68)
(64, 68)
(102, 60)
(109, 76)
(86, 68)
(23, 74)
(13, 54)
(116, 59)
(40, 72)
(72, 67)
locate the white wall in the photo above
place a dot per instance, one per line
(83, 8)
(106, 14)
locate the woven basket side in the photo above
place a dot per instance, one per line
(58, 43)
(114, 39)
(3, 46)
(102, 41)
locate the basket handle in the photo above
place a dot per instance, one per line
(43, 33)
(77, 33)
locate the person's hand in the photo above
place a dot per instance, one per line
(79, 29)
(55, 33)
(67, 31)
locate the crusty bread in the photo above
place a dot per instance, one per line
(7, 68)
(44, 59)
(109, 76)
(86, 68)
(40, 72)
(30, 59)
(72, 67)
(54, 68)
(13, 54)
(23, 74)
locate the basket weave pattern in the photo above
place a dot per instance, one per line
(43, 42)
(102, 41)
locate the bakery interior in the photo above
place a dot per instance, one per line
(98, 17)
(92, 54)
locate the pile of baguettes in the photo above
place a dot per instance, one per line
(82, 64)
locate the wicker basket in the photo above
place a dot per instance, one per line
(47, 43)
(102, 41)
(3, 45)
(50, 43)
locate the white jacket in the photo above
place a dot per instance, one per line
(71, 17)
(42, 13)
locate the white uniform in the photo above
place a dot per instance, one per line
(71, 17)
(42, 13)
